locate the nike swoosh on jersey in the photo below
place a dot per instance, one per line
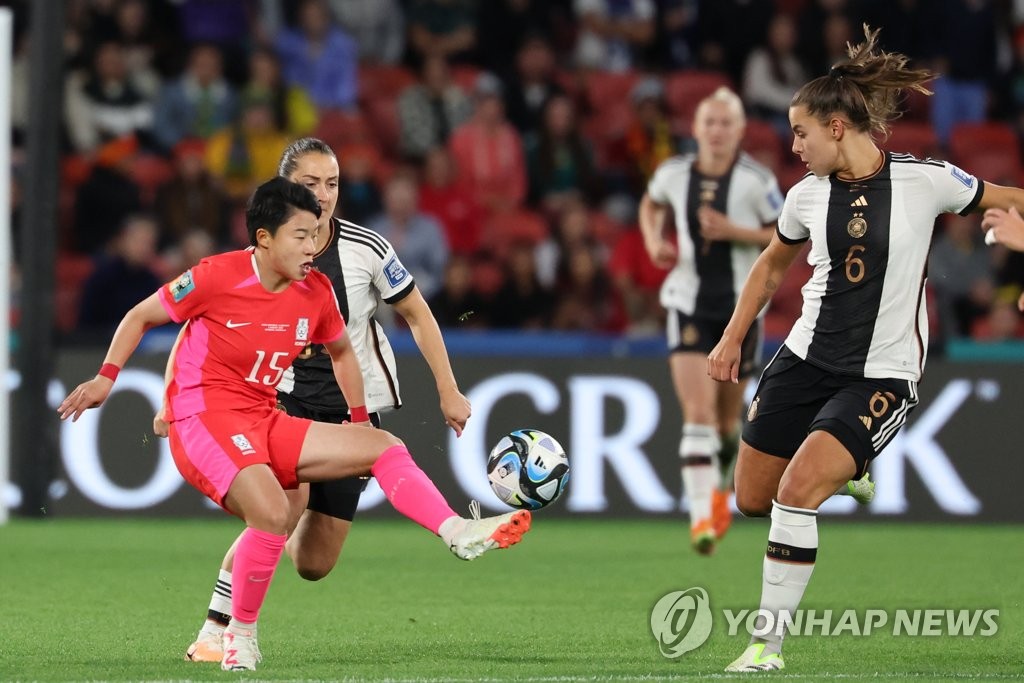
(232, 325)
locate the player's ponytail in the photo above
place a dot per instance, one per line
(865, 87)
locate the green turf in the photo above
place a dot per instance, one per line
(120, 600)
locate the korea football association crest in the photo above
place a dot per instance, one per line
(302, 332)
(242, 444)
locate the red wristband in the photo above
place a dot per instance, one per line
(358, 414)
(109, 370)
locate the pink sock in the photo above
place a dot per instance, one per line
(256, 559)
(410, 490)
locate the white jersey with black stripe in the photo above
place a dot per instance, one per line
(708, 276)
(864, 311)
(364, 270)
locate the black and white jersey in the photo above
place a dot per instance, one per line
(864, 310)
(708, 276)
(364, 270)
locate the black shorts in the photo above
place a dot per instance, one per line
(340, 497)
(689, 334)
(795, 398)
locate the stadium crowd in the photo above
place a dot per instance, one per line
(501, 146)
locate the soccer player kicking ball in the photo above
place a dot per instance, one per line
(249, 314)
(843, 383)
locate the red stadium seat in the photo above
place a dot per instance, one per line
(150, 173)
(606, 129)
(72, 271)
(381, 80)
(465, 76)
(971, 139)
(506, 228)
(382, 116)
(488, 277)
(685, 89)
(605, 89)
(914, 137)
(761, 141)
(340, 128)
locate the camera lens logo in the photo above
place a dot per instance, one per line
(681, 621)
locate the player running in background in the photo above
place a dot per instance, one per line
(250, 313)
(725, 206)
(363, 269)
(843, 383)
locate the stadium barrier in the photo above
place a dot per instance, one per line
(617, 417)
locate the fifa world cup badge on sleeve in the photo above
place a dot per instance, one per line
(182, 286)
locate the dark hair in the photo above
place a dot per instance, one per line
(297, 150)
(276, 201)
(865, 87)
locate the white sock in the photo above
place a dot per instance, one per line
(698, 454)
(788, 565)
(449, 528)
(219, 612)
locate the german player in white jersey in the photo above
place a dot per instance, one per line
(846, 378)
(364, 271)
(725, 205)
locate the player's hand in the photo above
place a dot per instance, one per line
(662, 252)
(86, 395)
(160, 425)
(1004, 227)
(456, 410)
(724, 362)
(714, 225)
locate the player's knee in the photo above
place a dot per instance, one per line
(752, 504)
(313, 569)
(275, 519)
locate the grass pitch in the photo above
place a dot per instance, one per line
(122, 599)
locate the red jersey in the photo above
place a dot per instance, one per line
(240, 337)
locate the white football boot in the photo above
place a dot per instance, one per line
(754, 659)
(477, 535)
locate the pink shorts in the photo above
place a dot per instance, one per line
(212, 447)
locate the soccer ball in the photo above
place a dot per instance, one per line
(528, 469)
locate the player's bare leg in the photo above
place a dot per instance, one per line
(730, 404)
(316, 544)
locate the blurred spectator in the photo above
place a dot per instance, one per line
(228, 24)
(532, 83)
(104, 103)
(246, 153)
(378, 27)
(506, 25)
(418, 238)
(188, 252)
(964, 57)
(430, 110)
(905, 23)
(320, 57)
(522, 302)
(122, 278)
(293, 110)
(1012, 88)
(638, 283)
(1003, 322)
(107, 197)
(139, 40)
(817, 18)
(449, 202)
(572, 229)
(444, 28)
(488, 152)
(457, 304)
(960, 271)
(197, 104)
(358, 195)
(726, 42)
(676, 36)
(649, 138)
(612, 32)
(192, 200)
(773, 74)
(586, 300)
(19, 88)
(559, 159)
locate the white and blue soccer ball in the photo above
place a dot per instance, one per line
(528, 469)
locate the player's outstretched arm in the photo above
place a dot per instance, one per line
(349, 376)
(425, 331)
(144, 316)
(763, 280)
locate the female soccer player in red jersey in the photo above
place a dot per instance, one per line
(249, 315)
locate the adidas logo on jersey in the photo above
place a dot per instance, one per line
(859, 201)
(866, 420)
